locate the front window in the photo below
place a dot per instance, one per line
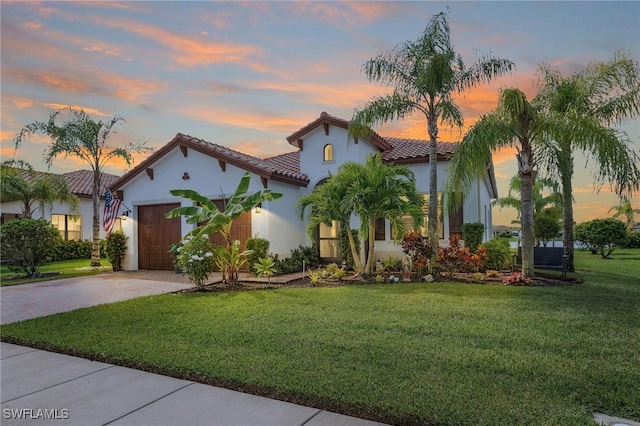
(69, 226)
(328, 241)
(328, 152)
(424, 229)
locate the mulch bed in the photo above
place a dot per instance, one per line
(541, 280)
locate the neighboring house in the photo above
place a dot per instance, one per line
(321, 147)
(72, 225)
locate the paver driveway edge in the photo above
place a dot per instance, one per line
(34, 300)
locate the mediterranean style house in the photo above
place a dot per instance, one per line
(72, 225)
(320, 147)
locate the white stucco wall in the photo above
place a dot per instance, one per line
(276, 222)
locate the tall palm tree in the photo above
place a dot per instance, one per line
(516, 122)
(19, 182)
(86, 139)
(625, 209)
(582, 108)
(424, 75)
(204, 210)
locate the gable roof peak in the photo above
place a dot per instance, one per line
(326, 118)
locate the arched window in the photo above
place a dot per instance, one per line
(328, 153)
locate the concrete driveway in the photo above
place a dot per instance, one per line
(21, 302)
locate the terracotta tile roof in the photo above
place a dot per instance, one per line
(283, 168)
(80, 182)
(415, 150)
(288, 163)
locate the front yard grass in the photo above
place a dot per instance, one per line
(435, 354)
(62, 269)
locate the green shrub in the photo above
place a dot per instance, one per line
(294, 263)
(196, 259)
(581, 232)
(603, 235)
(71, 250)
(116, 246)
(265, 266)
(498, 254)
(472, 234)
(392, 263)
(26, 244)
(633, 240)
(260, 249)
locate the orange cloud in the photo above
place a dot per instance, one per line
(88, 110)
(269, 122)
(191, 52)
(108, 85)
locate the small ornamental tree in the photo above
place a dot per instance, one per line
(545, 228)
(28, 243)
(472, 234)
(116, 249)
(604, 235)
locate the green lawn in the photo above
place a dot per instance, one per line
(437, 354)
(66, 269)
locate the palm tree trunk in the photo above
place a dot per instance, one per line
(566, 174)
(370, 262)
(95, 243)
(432, 128)
(528, 240)
(357, 262)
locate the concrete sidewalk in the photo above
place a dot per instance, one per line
(40, 387)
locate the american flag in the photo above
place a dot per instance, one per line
(111, 209)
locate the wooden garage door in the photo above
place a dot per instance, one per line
(155, 235)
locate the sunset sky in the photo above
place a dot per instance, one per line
(248, 74)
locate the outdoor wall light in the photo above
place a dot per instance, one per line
(258, 207)
(125, 214)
